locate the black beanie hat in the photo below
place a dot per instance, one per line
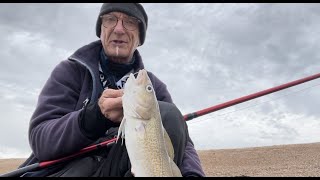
(132, 9)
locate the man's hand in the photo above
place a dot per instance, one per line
(110, 104)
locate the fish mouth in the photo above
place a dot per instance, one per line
(142, 77)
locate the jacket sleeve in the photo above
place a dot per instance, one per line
(191, 165)
(54, 128)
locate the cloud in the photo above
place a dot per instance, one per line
(252, 128)
(28, 58)
(16, 103)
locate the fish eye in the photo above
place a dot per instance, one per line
(149, 88)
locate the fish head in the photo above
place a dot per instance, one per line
(139, 96)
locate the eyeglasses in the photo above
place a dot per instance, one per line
(129, 23)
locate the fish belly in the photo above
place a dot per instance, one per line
(146, 149)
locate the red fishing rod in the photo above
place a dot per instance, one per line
(202, 112)
(44, 164)
(187, 117)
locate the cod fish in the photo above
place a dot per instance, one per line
(148, 145)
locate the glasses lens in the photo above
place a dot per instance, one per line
(130, 23)
(109, 21)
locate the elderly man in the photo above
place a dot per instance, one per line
(81, 104)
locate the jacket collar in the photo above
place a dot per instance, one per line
(89, 56)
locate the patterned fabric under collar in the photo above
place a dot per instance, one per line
(113, 75)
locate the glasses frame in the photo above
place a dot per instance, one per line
(123, 24)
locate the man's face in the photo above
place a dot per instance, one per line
(119, 42)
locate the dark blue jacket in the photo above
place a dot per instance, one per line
(54, 130)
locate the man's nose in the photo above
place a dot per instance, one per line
(119, 27)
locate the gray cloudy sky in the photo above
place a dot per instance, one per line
(207, 54)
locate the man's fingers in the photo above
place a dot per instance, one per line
(114, 103)
(110, 104)
(115, 117)
(112, 93)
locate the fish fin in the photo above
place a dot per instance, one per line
(121, 131)
(168, 144)
(175, 170)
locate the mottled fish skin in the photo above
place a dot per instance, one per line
(147, 142)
